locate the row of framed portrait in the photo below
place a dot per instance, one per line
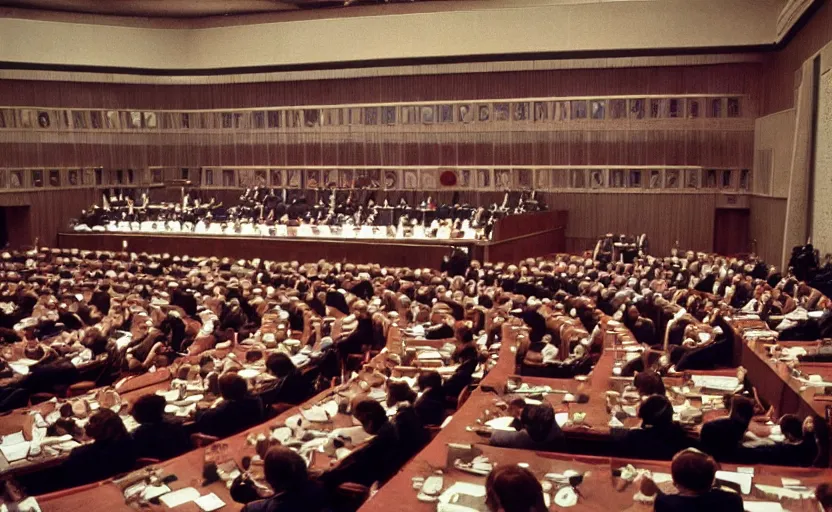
(483, 179)
(515, 111)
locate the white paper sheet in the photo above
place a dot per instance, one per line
(762, 506)
(152, 491)
(462, 488)
(210, 502)
(744, 480)
(15, 452)
(182, 496)
(502, 423)
(716, 382)
(791, 482)
(661, 478)
(12, 439)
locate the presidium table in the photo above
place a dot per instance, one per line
(514, 237)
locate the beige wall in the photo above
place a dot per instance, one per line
(528, 29)
(821, 227)
(774, 133)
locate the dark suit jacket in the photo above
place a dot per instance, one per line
(378, 460)
(161, 441)
(654, 443)
(430, 407)
(712, 500)
(721, 438)
(292, 389)
(308, 498)
(230, 417)
(85, 464)
(460, 380)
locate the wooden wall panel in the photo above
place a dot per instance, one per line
(768, 220)
(49, 212)
(779, 73)
(704, 79)
(665, 218)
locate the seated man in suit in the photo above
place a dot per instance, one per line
(377, 460)
(721, 438)
(290, 386)
(156, 438)
(286, 473)
(659, 437)
(693, 475)
(538, 431)
(237, 411)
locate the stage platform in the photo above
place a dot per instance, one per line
(515, 237)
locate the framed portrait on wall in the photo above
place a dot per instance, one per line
(634, 180)
(446, 114)
(229, 178)
(655, 180)
(710, 179)
(88, 177)
(558, 178)
(542, 179)
(727, 181)
(618, 109)
(388, 115)
(578, 109)
(745, 180)
(260, 178)
(733, 109)
(410, 115)
(577, 178)
(410, 178)
(521, 111)
(294, 178)
(429, 179)
(672, 178)
(617, 178)
(37, 178)
(428, 113)
(346, 178)
(16, 179)
(541, 111)
(466, 179)
(73, 178)
(371, 116)
(313, 178)
(560, 111)
(208, 178)
(4, 182)
(246, 178)
(483, 113)
(44, 121)
(523, 179)
(692, 179)
(597, 109)
(390, 180)
(636, 109)
(276, 178)
(597, 178)
(694, 108)
(482, 179)
(501, 112)
(54, 178)
(502, 179)
(367, 178)
(465, 113)
(329, 178)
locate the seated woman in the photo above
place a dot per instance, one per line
(510, 488)
(156, 438)
(538, 431)
(112, 452)
(238, 410)
(430, 406)
(722, 437)
(286, 473)
(659, 437)
(693, 475)
(290, 386)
